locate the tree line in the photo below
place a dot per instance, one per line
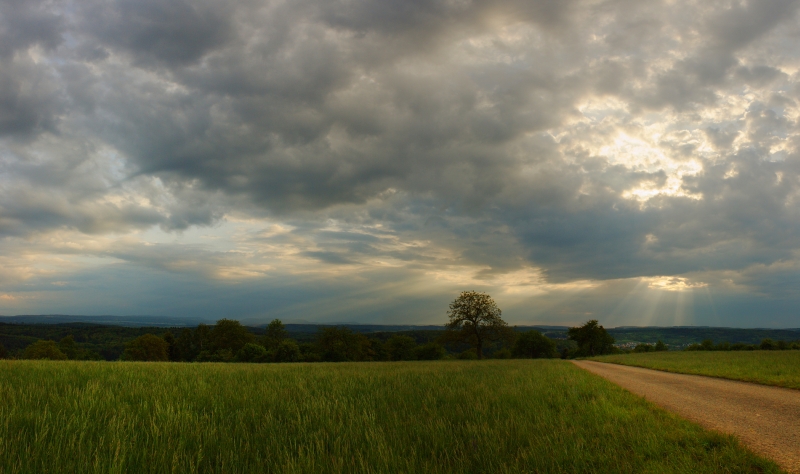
(475, 323)
(230, 341)
(475, 326)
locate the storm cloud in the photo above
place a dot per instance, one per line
(558, 154)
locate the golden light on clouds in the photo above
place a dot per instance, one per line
(673, 283)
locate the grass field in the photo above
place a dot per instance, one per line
(426, 417)
(780, 368)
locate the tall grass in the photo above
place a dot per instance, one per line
(426, 417)
(779, 368)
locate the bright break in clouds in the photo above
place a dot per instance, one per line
(366, 160)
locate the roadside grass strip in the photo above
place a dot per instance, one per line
(544, 416)
(778, 368)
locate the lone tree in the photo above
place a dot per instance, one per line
(475, 319)
(592, 339)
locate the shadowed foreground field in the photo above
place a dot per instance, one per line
(447, 416)
(779, 368)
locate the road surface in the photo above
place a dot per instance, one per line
(766, 419)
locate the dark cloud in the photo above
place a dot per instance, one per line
(173, 31)
(24, 23)
(30, 99)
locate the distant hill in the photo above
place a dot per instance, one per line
(678, 336)
(127, 321)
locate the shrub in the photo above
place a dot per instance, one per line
(503, 353)
(342, 344)
(660, 346)
(286, 351)
(723, 346)
(310, 357)
(44, 350)
(740, 346)
(429, 351)
(768, 345)
(252, 353)
(469, 354)
(400, 348)
(534, 345)
(148, 347)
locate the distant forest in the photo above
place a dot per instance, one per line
(293, 342)
(311, 342)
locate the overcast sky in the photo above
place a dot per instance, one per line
(366, 160)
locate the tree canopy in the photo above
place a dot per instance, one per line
(474, 318)
(276, 332)
(534, 345)
(228, 337)
(148, 347)
(44, 350)
(592, 339)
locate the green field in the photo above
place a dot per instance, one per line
(780, 368)
(447, 416)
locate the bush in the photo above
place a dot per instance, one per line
(252, 353)
(503, 353)
(68, 347)
(740, 346)
(429, 351)
(768, 345)
(336, 344)
(400, 348)
(643, 348)
(3, 352)
(534, 345)
(310, 357)
(149, 348)
(286, 351)
(660, 346)
(44, 350)
(217, 356)
(469, 354)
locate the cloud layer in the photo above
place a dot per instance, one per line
(365, 160)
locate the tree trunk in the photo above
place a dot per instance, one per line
(480, 349)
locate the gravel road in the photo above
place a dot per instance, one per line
(766, 419)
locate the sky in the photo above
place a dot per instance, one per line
(365, 161)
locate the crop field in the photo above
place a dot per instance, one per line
(780, 368)
(427, 417)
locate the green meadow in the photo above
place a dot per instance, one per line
(780, 368)
(493, 416)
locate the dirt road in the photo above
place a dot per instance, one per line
(766, 419)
